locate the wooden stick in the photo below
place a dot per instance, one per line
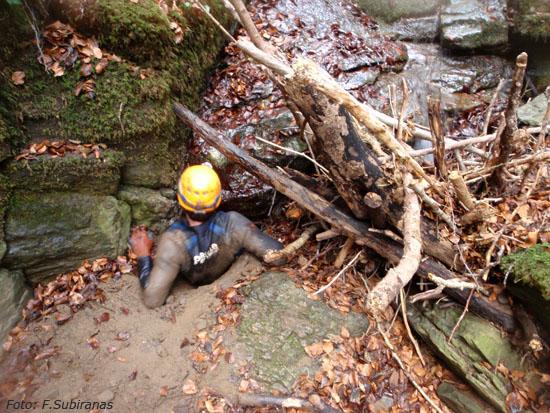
(461, 316)
(409, 332)
(462, 192)
(489, 112)
(331, 233)
(249, 25)
(273, 256)
(263, 400)
(404, 106)
(388, 288)
(342, 271)
(342, 255)
(433, 205)
(436, 126)
(505, 146)
(409, 375)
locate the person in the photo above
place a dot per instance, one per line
(201, 245)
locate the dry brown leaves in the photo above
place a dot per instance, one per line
(72, 289)
(18, 78)
(357, 372)
(55, 149)
(64, 47)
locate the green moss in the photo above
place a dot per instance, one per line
(531, 267)
(532, 18)
(69, 173)
(124, 106)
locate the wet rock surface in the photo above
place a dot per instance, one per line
(14, 293)
(533, 111)
(475, 352)
(149, 207)
(462, 83)
(474, 24)
(461, 400)
(278, 320)
(243, 102)
(49, 233)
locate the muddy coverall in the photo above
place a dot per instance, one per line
(201, 253)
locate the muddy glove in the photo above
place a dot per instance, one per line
(275, 258)
(142, 245)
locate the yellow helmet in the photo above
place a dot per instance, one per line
(199, 189)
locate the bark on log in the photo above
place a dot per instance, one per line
(396, 278)
(505, 145)
(436, 126)
(382, 245)
(352, 163)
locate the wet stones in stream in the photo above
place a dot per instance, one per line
(278, 321)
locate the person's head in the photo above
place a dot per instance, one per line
(199, 192)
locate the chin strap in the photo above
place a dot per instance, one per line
(145, 265)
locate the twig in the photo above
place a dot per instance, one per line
(216, 22)
(331, 233)
(537, 157)
(462, 192)
(120, 116)
(29, 14)
(404, 106)
(505, 146)
(406, 322)
(452, 283)
(342, 271)
(261, 400)
(428, 295)
(290, 249)
(388, 288)
(342, 255)
(488, 265)
(433, 205)
(290, 150)
(249, 26)
(436, 127)
(405, 371)
(489, 112)
(461, 316)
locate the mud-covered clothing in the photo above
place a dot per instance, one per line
(201, 253)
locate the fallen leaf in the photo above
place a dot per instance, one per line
(314, 350)
(163, 391)
(18, 77)
(133, 375)
(189, 387)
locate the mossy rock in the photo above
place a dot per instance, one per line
(391, 11)
(532, 18)
(475, 343)
(149, 207)
(474, 25)
(278, 320)
(14, 293)
(5, 190)
(530, 267)
(49, 233)
(69, 173)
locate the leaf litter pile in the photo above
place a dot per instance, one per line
(73, 289)
(58, 149)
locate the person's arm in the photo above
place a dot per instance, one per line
(251, 238)
(156, 278)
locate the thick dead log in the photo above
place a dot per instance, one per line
(352, 163)
(312, 202)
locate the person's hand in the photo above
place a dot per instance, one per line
(140, 242)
